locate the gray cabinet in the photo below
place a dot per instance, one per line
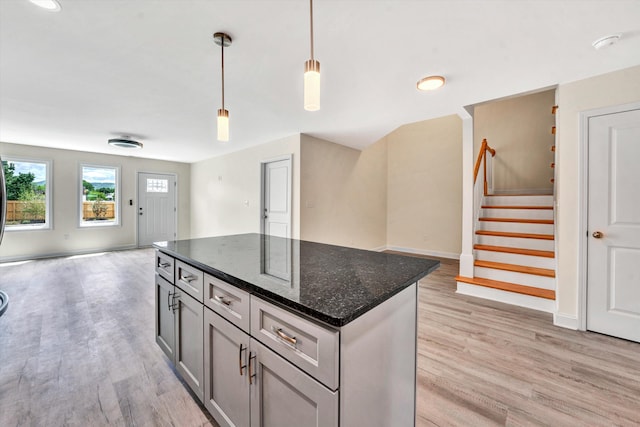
(226, 372)
(165, 323)
(247, 384)
(189, 318)
(282, 395)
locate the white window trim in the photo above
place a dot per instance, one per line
(48, 197)
(97, 224)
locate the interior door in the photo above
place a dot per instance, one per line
(276, 198)
(156, 208)
(613, 271)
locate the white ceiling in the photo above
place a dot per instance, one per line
(150, 69)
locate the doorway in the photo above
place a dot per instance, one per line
(276, 197)
(613, 223)
(157, 211)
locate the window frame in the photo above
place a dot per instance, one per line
(117, 199)
(48, 194)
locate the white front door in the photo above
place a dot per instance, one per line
(156, 208)
(613, 270)
(276, 198)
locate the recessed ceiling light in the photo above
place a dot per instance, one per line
(431, 83)
(125, 143)
(50, 5)
(606, 41)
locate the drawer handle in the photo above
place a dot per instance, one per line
(188, 278)
(222, 300)
(242, 348)
(165, 264)
(284, 337)
(252, 356)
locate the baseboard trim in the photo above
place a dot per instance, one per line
(19, 258)
(566, 321)
(379, 249)
(438, 254)
(521, 300)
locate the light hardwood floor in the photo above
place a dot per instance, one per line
(77, 348)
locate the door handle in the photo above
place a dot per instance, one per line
(597, 235)
(168, 303)
(242, 348)
(251, 373)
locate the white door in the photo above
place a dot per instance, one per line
(613, 271)
(276, 198)
(156, 208)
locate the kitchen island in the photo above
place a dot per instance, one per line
(272, 331)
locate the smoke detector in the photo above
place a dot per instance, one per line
(606, 41)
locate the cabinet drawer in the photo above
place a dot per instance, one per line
(164, 266)
(311, 347)
(189, 279)
(228, 301)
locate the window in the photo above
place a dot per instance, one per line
(157, 185)
(99, 196)
(28, 193)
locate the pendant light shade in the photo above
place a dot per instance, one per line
(223, 125)
(223, 40)
(311, 74)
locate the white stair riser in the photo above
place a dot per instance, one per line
(521, 300)
(518, 259)
(517, 227)
(516, 242)
(517, 213)
(519, 200)
(513, 277)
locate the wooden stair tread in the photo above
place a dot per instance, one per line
(520, 251)
(545, 272)
(520, 235)
(523, 220)
(517, 207)
(510, 287)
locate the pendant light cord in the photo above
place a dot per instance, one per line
(311, 26)
(222, 45)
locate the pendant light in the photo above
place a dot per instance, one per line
(311, 74)
(223, 40)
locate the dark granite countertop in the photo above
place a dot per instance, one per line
(333, 284)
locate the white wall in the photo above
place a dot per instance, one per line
(519, 129)
(66, 237)
(343, 194)
(424, 187)
(620, 87)
(225, 191)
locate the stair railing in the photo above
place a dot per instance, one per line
(482, 158)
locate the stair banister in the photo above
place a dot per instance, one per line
(482, 158)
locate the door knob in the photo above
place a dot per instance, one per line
(597, 234)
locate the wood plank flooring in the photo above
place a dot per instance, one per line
(77, 348)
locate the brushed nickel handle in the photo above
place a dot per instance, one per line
(251, 373)
(286, 338)
(222, 300)
(242, 348)
(597, 234)
(188, 278)
(168, 303)
(165, 264)
(174, 304)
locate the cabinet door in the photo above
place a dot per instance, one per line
(283, 395)
(226, 381)
(165, 325)
(189, 342)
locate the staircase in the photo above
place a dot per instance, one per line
(514, 252)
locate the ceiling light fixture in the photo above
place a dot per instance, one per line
(311, 74)
(606, 41)
(430, 83)
(124, 142)
(223, 40)
(50, 5)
